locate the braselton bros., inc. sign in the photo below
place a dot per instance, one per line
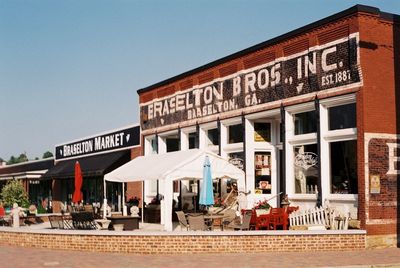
(107, 142)
(332, 65)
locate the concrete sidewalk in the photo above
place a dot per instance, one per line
(31, 257)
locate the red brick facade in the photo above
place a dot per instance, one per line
(377, 100)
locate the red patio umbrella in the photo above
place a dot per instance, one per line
(77, 197)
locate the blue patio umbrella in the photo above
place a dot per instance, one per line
(206, 192)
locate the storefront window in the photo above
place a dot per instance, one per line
(343, 159)
(237, 159)
(262, 132)
(212, 135)
(305, 123)
(192, 140)
(306, 163)
(343, 116)
(235, 133)
(262, 172)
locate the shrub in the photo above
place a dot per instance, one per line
(14, 192)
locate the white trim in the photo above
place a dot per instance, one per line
(343, 197)
(339, 100)
(265, 114)
(341, 135)
(300, 108)
(304, 139)
(168, 133)
(232, 121)
(233, 147)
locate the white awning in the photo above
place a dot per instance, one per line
(175, 165)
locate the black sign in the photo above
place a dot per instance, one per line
(113, 141)
(324, 67)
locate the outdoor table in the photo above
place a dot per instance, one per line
(102, 223)
(214, 217)
(129, 222)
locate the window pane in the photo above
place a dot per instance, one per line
(262, 132)
(154, 147)
(192, 140)
(344, 167)
(235, 133)
(306, 163)
(305, 123)
(262, 172)
(343, 116)
(212, 135)
(172, 144)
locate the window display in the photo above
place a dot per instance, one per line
(262, 172)
(237, 159)
(306, 169)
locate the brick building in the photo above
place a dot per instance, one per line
(312, 114)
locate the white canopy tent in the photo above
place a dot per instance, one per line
(174, 166)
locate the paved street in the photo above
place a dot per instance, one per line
(30, 257)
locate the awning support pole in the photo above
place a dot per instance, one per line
(104, 200)
(124, 212)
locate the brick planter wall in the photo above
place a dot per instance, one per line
(192, 243)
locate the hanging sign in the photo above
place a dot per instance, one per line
(332, 65)
(107, 142)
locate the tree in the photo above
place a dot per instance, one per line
(12, 160)
(14, 192)
(47, 154)
(15, 160)
(22, 158)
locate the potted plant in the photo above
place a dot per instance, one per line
(262, 207)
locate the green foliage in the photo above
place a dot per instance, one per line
(47, 154)
(15, 160)
(40, 209)
(14, 192)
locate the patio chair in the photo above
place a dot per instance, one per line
(182, 220)
(278, 218)
(56, 222)
(245, 225)
(263, 222)
(229, 216)
(197, 223)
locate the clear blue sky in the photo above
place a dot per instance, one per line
(70, 69)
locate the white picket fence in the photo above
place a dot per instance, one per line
(323, 217)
